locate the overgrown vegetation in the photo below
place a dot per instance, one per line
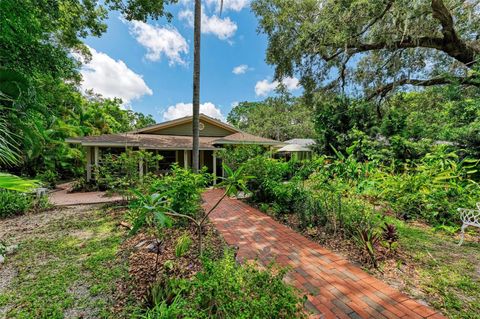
(16, 203)
(225, 289)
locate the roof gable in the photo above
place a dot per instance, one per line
(183, 127)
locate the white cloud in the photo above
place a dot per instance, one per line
(264, 87)
(112, 78)
(241, 69)
(160, 41)
(222, 28)
(234, 5)
(185, 109)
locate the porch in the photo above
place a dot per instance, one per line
(182, 157)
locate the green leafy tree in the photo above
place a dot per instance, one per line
(337, 116)
(282, 117)
(378, 45)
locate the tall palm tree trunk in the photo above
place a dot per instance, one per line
(196, 84)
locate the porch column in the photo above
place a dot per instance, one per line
(89, 163)
(185, 159)
(96, 153)
(140, 169)
(214, 168)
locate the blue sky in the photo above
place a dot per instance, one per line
(149, 65)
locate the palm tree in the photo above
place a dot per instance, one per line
(197, 25)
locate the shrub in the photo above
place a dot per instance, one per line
(182, 189)
(268, 173)
(16, 203)
(183, 245)
(48, 177)
(120, 172)
(235, 155)
(431, 189)
(225, 289)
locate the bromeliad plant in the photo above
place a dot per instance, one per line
(155, 210)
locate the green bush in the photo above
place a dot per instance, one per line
(182, 188)
(225, 289)
(268, 173)
(235, 155)
(17, 203)
(120, 172)
(49, 178)
(431, 189)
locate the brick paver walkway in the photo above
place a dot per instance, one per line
(61, 197)
(335, 287)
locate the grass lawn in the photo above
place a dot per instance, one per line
(445, 274)
(66, 265)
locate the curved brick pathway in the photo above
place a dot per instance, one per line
(335, 287)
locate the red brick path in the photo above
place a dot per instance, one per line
(335, 287)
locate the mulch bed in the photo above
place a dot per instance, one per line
(145, 269)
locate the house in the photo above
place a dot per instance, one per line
(299, 148)
(172, 140)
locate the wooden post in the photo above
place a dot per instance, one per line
(89, 163)
(185, 159)
(96, 153)
(140, 169)
(214, 168)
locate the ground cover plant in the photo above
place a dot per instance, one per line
(225, 289)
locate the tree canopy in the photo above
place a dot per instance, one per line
(40, 101)
(282, 117)
(376, 46)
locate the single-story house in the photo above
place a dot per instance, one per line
(172, 140)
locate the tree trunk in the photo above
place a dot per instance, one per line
(196, 84)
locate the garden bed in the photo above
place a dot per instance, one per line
(145, 269)
(428, 264)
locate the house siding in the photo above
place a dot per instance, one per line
(186, 130)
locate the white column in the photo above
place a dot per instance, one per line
(185, 158)
(214, 168)
(89, 163)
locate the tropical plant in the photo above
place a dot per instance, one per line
(15, 183)
(156, 207)
(368, 238)
(390, 237)
(183, 245)
(226, 289)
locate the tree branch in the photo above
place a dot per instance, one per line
(375, 20)
(452, 44)
(383, 90)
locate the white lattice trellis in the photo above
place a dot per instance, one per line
(470, 217)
